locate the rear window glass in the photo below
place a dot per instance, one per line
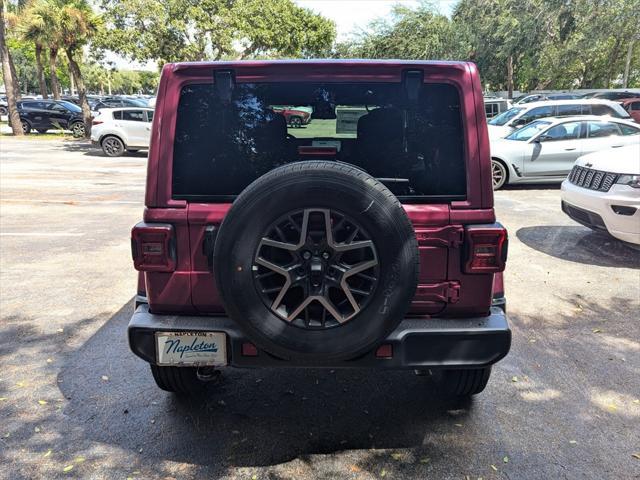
(602, 129)
(414, 147)
(133, 115)
(628, 129)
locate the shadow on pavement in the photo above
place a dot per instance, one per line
(91, 150)
(564, 390)
(250, 417)
(579, 244)
(532, 186)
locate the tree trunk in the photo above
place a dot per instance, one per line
(510, 77)
(40, 71)
(16, 79)
(72, 84)
(9, 79)
(612, 64)
(627, 63)
(53, 71)
(82, 92)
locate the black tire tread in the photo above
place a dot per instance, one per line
(179, 380)
(466, 382)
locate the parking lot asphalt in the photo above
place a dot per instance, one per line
(75, 403)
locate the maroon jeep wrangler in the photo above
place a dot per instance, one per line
(367, 239)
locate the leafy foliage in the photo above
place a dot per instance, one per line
(188, 30)
(549, 43)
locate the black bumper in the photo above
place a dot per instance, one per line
(584, 217)
(416, 343)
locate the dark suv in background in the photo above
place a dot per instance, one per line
(367, 239)
(43, 115)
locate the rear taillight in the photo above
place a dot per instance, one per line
(486, 249)
(153, 247)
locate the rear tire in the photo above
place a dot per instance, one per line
(179, 380)
(26, 127)
(499, 174)
(77, 129)
(465, 382)
(112, 146)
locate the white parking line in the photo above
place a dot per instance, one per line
(72, 202)
(40, 234)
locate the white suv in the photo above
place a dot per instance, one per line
(519, 115)
(602, 192)
(119, 130)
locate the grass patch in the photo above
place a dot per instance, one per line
(41, 136)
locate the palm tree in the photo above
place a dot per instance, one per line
(35, 28)
(41, 25)
(75, 24)
(8, 77)
(53, 71)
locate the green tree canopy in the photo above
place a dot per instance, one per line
(533, 44)
(190, 30)
(408, 33)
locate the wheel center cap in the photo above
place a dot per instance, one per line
(316, 270)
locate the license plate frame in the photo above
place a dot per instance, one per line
(191, 349)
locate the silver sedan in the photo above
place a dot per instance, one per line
(544, 150)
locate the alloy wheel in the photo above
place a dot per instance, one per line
(498, 174)
(112, 146)
(77, 129)
(316, 268)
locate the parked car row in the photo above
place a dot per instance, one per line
(605, 95)
(520, 115)
(43, 115)
(591, 146)
(98, 102)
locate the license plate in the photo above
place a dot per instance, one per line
(191, 348)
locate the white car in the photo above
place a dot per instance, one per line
(602, 192)
(544, 151)
(519, 115)
(119, 130)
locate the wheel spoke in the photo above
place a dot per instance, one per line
(277, 244)
(324, 301)
(346, 247)
(318, 294)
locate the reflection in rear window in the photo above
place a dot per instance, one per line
(414, 147)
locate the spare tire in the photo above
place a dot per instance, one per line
(316, 261)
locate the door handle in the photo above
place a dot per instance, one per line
(616, 146)
(570, 148)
